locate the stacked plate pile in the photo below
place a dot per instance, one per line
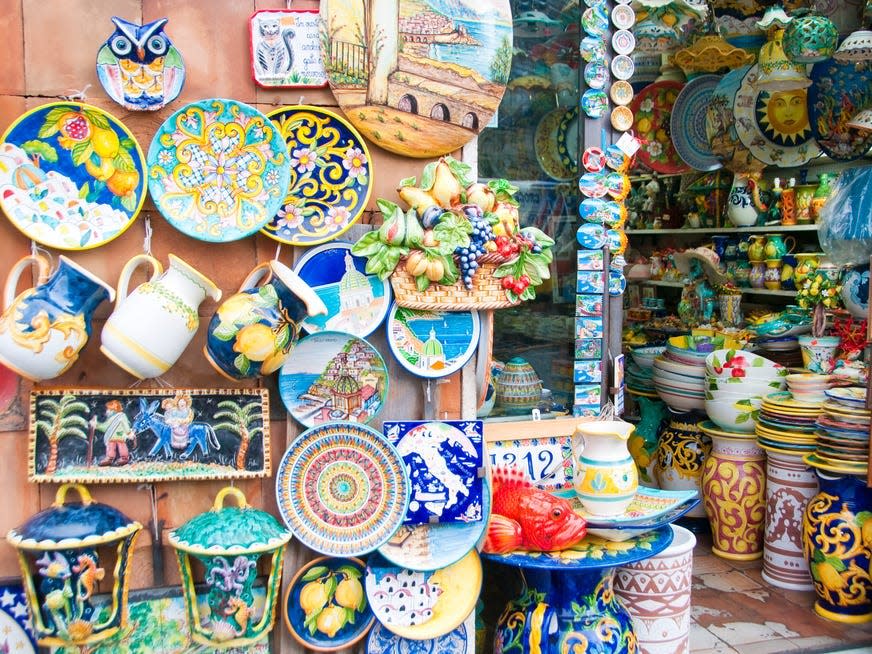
(679, 378)
(786, 425)
(639, 374)
(809, 387)
(843, 433)
(736, 382)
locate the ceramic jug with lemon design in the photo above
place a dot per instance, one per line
(604, 473)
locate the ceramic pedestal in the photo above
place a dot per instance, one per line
(790, 484)
(682, 448)
(733, 486)
(656, 591)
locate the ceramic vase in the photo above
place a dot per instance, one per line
(150, 328)
(756, 248)
(819, 353)
(743, 202)
(733, 492)
(772, 274)
(804, 197)
(757, 276)
(43, 329)
(777, 246)
(603, 472)
(643, 441)
(806, 264)
(656, 592)
(821, 194)
(788, 206)
(730, 308)
(682, 449)
(790, 484)
(837, 546)
(518, 387)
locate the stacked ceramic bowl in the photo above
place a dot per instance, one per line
(736, 381)
(787, 425)
(679, 376)
(808, 387)
(639, 374)
(843, 433)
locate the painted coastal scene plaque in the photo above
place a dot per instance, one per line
(331, 176)
(432, 344)
(285, 49)
(357, 303)
(72, 176)
(333, 376)
(141, 435)
(446, 466)
(418, 77)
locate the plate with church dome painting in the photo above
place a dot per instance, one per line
(418, 79)
(333, 376)
(432, 344)
(356, 302)
(331, 176)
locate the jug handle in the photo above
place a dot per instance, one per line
(9, 293)
(789, 248)
(314, 304)
(255, 276)
(130, 267)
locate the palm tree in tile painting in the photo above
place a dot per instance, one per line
(238, 420)
(60, 419)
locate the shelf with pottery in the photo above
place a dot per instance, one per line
(727, 230)
(746, 290)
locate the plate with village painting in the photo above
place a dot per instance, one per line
(446, 466)
(432, 344)
(72, 176)
(418, 77)
(356, 302)
(333, 376)
(142, 435)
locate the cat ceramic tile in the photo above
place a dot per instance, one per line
(285, 48)
(445, 464)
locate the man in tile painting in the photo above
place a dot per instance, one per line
(116, 432)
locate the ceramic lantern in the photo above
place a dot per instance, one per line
(61, 567)
(228, 542)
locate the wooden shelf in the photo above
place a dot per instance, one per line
(745, 290)
(726, 230)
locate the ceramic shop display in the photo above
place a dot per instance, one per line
(356, 302)
(662, 27)
(342, 488)
(855, 291)
(331, 176)
(688, 123)
(445, 462)
(837, 93)
(60, 551)
(417, 82)
(462, 640)
(139, 67)
(72, 176)
(15, 623)
(253, 332)
(432, 344)
(151, 327)
(605, 476)
(652, 109)
(423, 605)
(43, 329)
(285, 48)
(241, 534)
(148, 435)
(720, 125)
(657, 593)
(682, 449)
(325, 608)
(218, 170)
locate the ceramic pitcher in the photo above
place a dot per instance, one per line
(743, 203)
(254, 331)
(777, 246)
(151, 327)
(43, 329)
(605, 474)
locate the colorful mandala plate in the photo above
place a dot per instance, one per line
(342, 489)
(72, 177)
(687, 123)
(331, 176)
(547, 148)
(652, 109)
(218, 170)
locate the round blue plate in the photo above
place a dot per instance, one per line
(837, 93)
(459, 641)
(687, 123)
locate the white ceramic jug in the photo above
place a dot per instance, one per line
(150, 328)
(605, 475)
(743, 203)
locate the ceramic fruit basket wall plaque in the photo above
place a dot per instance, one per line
(459, 246)
(59, 551)
(228, 542)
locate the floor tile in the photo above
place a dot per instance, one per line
(702, 640)
(741, 633)
(731, 581)
(776, 646)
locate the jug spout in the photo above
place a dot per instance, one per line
(617, 428)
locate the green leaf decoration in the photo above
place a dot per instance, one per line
(539, 236)
(716, 363)
(422, 283)
(81, 151)
(331, 584)
(361, 606)
(367, 245)
(451, 272)
(129, 202)
(743, 403)
(83, 192)
(818, 556)
(386, 207)
(349, 615)
(708, 395)
(268, 293)
(408, 181)
(128, 143)
(453, 231)
(529, 293)
(837, 563)
(54, 114)
(124, 162)
(96, 118)
(47, 129)
(242, 364)
(742, 417)
(428, 176)
(41, 149)
(350, 571)
(863, 516)
(314, 572)
(460, 170)
(311, 620)
(283, 337)
(503, 189)
(757, 363)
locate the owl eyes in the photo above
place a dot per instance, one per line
(121, 45)
(157, 45)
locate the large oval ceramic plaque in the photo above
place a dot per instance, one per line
(418, 79)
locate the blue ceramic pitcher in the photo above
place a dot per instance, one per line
(43, 329)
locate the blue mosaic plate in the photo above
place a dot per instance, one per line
(687, 123)
(837, 93)
(459, 641)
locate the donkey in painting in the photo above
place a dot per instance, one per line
(200, 434)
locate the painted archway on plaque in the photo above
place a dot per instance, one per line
(417, 77)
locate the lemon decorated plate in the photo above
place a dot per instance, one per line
(72, 176)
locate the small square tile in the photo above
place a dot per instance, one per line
(728, 582)
(776, 646)
(740, 633)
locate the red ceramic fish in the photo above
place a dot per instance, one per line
(524, 517)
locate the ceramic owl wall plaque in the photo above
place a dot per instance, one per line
(139, 67)
(286, 48)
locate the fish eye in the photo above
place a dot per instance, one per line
(556, 513)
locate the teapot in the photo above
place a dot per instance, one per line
(43, 329)
(254, 331)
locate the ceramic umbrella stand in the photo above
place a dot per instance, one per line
(228, 542)
(682, 449)
(59, 550)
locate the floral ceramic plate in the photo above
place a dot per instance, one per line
(652, 109)
(341, 600)
(218, 170)
(432, 344)
(720, 127)
(774, 126)
(438, 91)
(548, 155)
(72, 177)
(16, 629)
(331, 176)
(688, 123)
(623, 67)
(837, 93)
(356, 302)
(851, 396)
(621, 92)
(342, 489)
(333, 376)
(647, 508)
(459, 641)
(423, 605)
